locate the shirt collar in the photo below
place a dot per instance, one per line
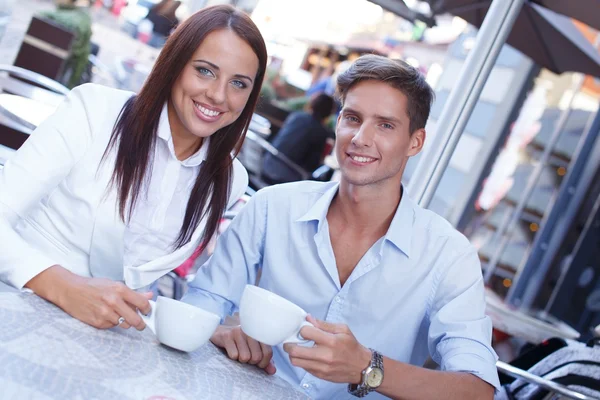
(400, 230)
(318, 211)
(164, 132)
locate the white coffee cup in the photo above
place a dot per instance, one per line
(271, 319)
(180, 325)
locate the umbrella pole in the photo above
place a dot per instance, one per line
(458, 108)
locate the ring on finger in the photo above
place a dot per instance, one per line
(121, 320)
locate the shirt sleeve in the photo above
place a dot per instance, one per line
(219, 283)
(37, 168)
(460, 333)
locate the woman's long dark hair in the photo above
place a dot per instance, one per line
(135, 132)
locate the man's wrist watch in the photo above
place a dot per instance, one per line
(372, 377)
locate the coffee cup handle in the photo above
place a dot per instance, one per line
(150, 319)
(297, 338)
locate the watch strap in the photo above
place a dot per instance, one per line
(377, 360)
(363, 389)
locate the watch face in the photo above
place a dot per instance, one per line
(374, 377)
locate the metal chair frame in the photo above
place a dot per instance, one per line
(35, 78)
(547, 384)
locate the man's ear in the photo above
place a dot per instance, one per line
(417, 140)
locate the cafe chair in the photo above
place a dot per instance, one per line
(251, 156)
(274, 114)
(45, 49)
(12, 136)
(24, 83)
(30, 84)
(260, 125)
(323, 174)
(566, 369)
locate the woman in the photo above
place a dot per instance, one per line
(115, 190)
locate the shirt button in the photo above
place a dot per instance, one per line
(306, 386)
(337, 299)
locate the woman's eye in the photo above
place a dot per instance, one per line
(204, 71)
(239, 84)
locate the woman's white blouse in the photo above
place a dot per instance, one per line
(58, 207)
(157, 218)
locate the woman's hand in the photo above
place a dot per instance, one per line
(98, 302)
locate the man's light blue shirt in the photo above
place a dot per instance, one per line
(417, 292)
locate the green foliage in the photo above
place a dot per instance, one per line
(295, 103)
(78, 21)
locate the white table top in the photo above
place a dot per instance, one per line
(46, 354)
(25, 111)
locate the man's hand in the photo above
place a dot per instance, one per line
(336, 356)
(242, 348)
(98, 302)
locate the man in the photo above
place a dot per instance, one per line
(372, 268)
(302, 139)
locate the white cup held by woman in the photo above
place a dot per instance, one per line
(180, 325)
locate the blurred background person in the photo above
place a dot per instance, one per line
(164, 21)
(302, 139)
